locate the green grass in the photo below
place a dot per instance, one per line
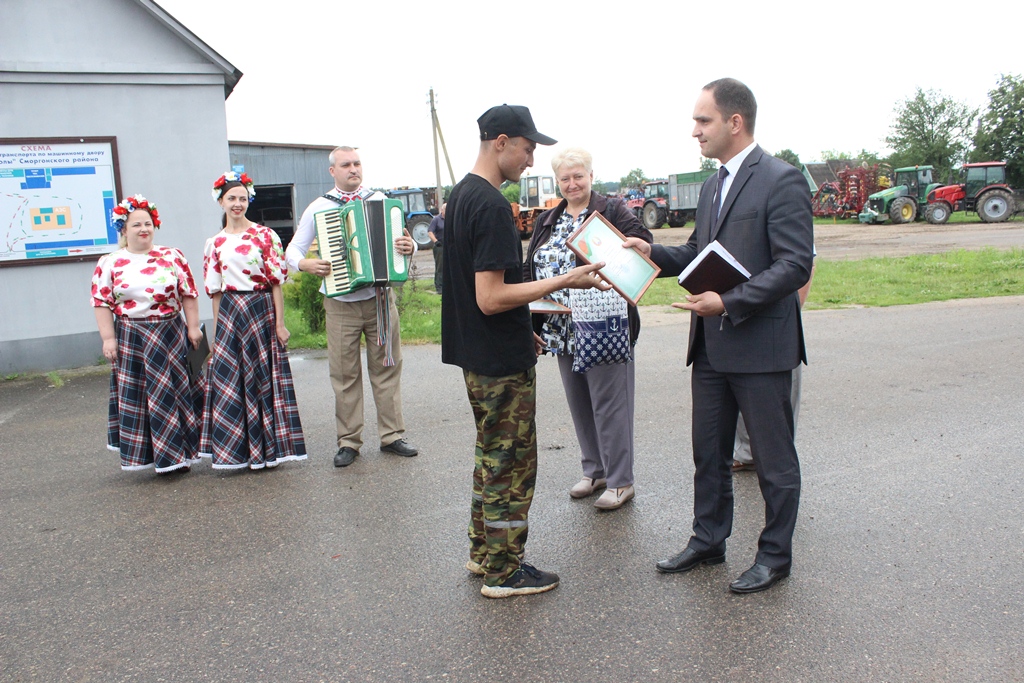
(917, 279)
(56, 381)
(957, 217)
(301, 337)
(419, 311)
(837, 284)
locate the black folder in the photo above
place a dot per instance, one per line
(197, 356)
(714, 270)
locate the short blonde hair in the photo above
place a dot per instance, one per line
(571, 158)
(343, 148)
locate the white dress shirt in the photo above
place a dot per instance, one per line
(733, 166)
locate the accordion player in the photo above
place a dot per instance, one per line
(358, 239)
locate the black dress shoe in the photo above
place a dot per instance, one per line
(690, 558)
(345, 456)
(758, 578)
(401, 447)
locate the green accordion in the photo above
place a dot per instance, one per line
(359, 241)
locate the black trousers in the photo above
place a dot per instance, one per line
(764, 399)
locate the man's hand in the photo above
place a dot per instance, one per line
(585, 277)
(315, 266)
(638, 244)
(538, 344)
(704, 305)
(404, 243)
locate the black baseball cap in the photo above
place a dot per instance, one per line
(512, 120)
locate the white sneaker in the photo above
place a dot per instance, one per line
(614, 498)
(474, 568)
(587, 486)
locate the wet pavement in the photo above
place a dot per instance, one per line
(908, 549)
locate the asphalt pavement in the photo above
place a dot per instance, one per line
(908, 548)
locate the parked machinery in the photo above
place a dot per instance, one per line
(672, 201)
(417, 217)
(902, 202)
(983, 190)
(536, 195)
(845, 197)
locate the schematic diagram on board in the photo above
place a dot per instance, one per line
(56, 199)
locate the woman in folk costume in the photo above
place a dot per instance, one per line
(251, 417)
(138, 295)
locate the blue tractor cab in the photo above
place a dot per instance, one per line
(417, 217)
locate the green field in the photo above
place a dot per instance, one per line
(837, 284)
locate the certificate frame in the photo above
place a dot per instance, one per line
(549, 307)
(628, 271)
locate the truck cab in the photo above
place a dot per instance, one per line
(536, 190)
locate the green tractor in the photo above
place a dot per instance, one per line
(904, 201)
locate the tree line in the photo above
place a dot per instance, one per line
(930, 128)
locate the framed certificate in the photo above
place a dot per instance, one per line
(548, 306)
(628, 271)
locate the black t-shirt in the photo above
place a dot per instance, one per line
(480, 235)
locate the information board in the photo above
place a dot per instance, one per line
(56, 199)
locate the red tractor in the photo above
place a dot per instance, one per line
(984, 190)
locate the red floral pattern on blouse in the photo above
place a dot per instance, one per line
(244, 262)
(150, 285)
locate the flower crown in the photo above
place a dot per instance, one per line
(233, 177)
(121, 211)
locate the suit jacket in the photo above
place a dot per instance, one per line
(766, 223)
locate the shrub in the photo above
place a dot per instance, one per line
(303, 293)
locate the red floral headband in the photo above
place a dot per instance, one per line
(233, 177)
(120, 213)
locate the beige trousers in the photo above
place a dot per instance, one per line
(347, 323)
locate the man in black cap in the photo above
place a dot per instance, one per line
(486, 330)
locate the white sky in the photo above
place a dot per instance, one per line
(619, 79)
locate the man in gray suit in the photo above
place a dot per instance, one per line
(745, 342)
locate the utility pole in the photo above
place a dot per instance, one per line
(437, 162)
(436, 125)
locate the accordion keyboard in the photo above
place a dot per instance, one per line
(330, 237)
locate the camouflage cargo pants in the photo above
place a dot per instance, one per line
(505, 469)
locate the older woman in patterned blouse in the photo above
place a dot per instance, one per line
(138, 295)
(601, 398)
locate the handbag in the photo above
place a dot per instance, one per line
(600, 329)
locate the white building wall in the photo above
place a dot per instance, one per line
(166, 109)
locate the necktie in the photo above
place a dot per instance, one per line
(722, 172)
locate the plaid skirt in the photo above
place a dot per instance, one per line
(251, 418)
(154, 412)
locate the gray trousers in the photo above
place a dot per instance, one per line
(741, 449)
(601, 403)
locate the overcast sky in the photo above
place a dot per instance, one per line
(619, 79)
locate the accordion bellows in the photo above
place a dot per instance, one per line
(359, 241)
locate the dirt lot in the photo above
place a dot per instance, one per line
(845, 240)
